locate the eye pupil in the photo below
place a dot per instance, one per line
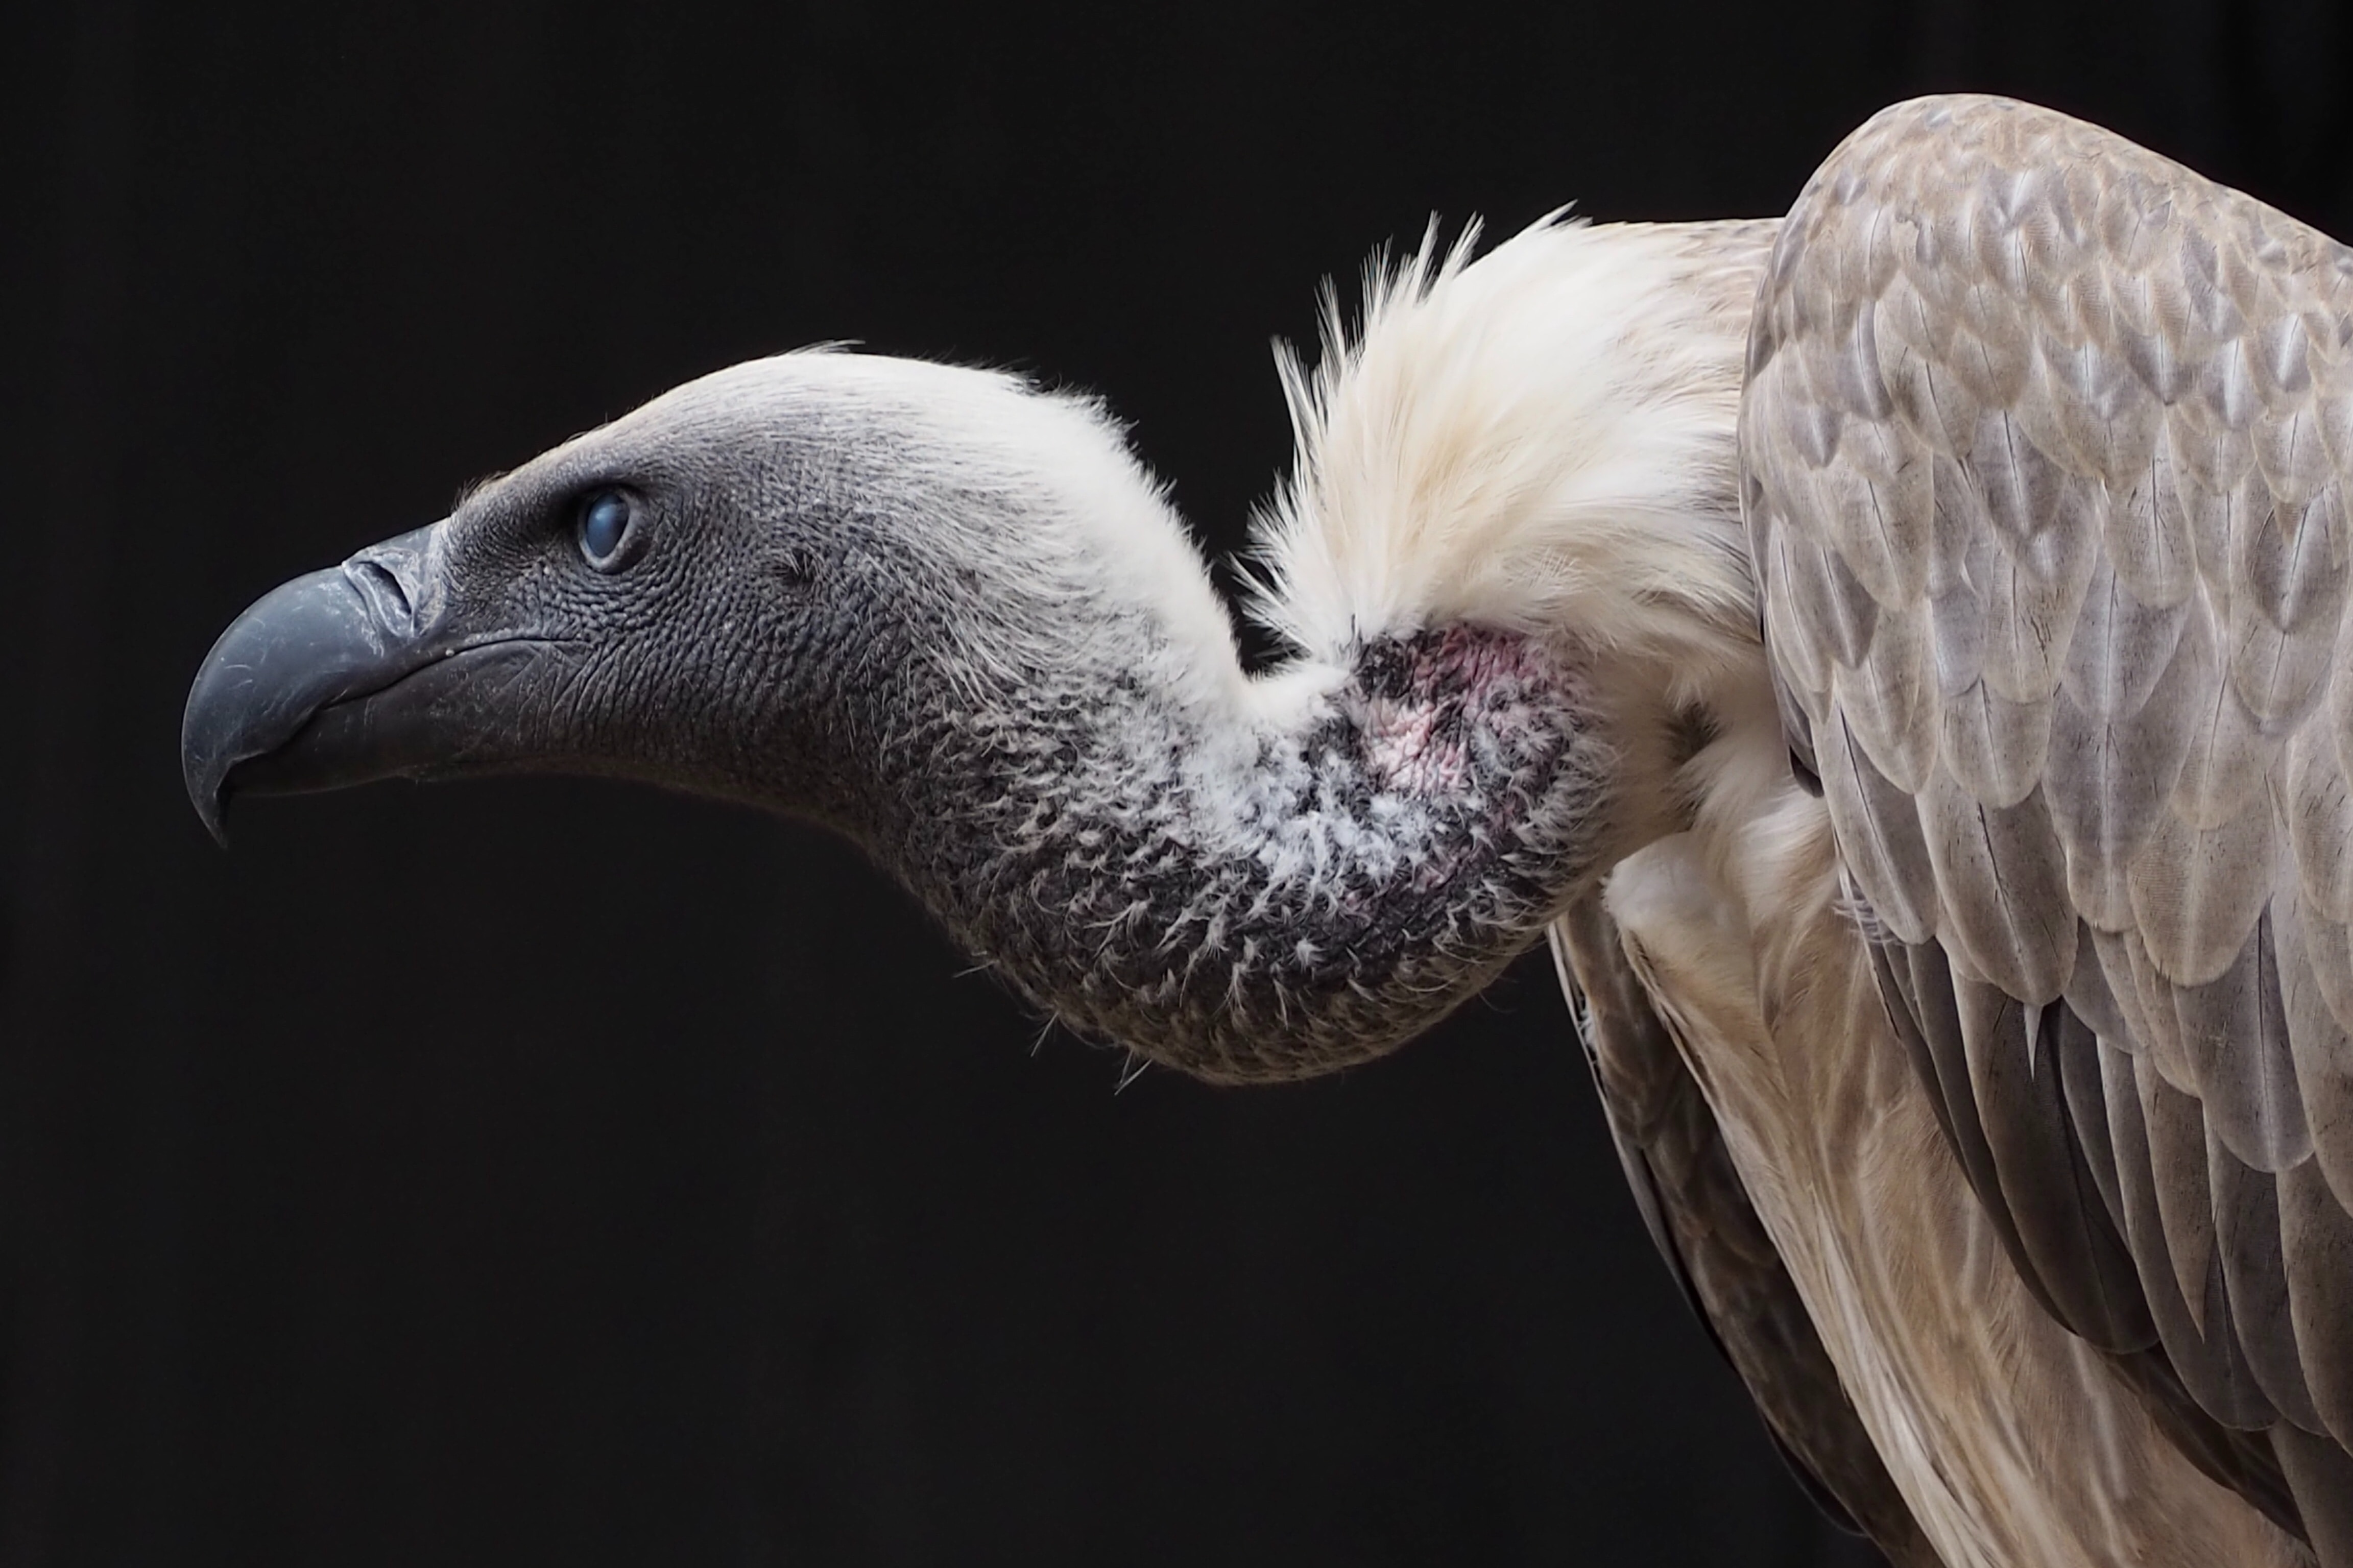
(603, 523)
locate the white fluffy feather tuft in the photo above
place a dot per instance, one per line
(1538, 440)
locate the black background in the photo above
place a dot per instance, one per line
(551, 1172)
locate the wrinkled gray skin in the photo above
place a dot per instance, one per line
(823, 606)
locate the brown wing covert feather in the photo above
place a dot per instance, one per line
(2045, 453)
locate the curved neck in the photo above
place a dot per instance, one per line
(1270, 887)
(1269, 880)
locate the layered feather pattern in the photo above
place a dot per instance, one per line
(2046, 446)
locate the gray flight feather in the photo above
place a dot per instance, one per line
(2046, 446)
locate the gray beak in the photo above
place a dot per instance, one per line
(342, 677)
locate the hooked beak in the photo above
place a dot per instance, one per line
(345, 676)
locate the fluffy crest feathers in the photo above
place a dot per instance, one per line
(1540, 439)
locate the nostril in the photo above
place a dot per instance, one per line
(384, 590)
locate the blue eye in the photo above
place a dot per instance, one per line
(604, 523)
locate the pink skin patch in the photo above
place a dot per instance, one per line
(1428, 699)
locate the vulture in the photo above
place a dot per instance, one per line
(1895, 656)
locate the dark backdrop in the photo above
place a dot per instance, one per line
(562, 1173)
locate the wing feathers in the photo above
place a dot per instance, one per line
(2220, 735)
(2316, 1251)
(2317, 991)
(2323, 1476)
(1888, 703)
(2076, 1049)
(2170, 1224)
(2254, 1275)
(2019, 1063)
(2013, 922)
(1892, 848)
(2195, 894)
(2147, 539)
(2031, 589)
(1925, 1005)
(2122, 647)
(2233, 1032)
(2046, 447)
(1995, 747)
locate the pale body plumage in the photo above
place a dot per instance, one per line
(1984, 1077)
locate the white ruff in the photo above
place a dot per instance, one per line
(1534, 440)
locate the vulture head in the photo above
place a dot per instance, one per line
(948, 615)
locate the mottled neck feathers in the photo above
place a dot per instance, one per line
(1332, 889)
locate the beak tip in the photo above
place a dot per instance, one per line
(292, 651)
(206, 784)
